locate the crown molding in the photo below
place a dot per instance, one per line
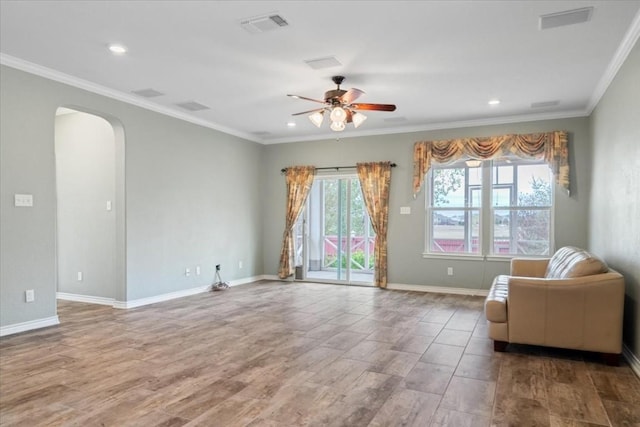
(39, 70)
(435, 126)
(628, 42)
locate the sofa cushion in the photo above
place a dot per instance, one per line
(571, 262)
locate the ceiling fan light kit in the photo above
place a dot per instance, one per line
(358, 119)
(316, 118)
(338, 126)
(342, 110)
(338, 114)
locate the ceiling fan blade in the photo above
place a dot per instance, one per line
(307, 99)
(351, 95)
(374, 107)
(307, 112)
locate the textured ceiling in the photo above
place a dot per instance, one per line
(439, 61)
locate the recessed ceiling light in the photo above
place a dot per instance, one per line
(494, 101)
(291, 124)
(118, 49)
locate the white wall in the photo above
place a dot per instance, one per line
(85, 181)
(615, 193)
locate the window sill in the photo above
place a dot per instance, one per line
(499, 258)
(471, 257)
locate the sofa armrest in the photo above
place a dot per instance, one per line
(529, 267)
(581, 313)
(495, 305)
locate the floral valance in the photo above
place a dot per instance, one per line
(550, 146)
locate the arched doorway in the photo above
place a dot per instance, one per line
(90, 229)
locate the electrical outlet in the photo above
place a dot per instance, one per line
(30, 295)
(187, 272)
(23, 200)
(197, 270)
(239, 264)
(79, 276)
(217, 267)
(449, 271)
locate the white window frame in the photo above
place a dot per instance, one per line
(516, 162)
(466, 208)
(486, 213)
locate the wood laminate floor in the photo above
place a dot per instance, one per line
(279, 354)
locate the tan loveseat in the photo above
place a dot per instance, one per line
(572, 300)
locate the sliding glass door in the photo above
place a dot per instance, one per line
(334, 235)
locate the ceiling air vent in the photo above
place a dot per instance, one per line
(321, 63)
(544, 104)
(398, 119)
(568, 17)
(260, 24)
(147, 93)
(192, 106)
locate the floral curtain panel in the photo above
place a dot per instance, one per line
(299, 180)
(375, 181)
(550, 146)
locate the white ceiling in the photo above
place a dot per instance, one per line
(439, 61)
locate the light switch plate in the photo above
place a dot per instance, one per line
(23, 200)
(405, 210)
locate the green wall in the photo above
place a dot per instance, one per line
(406, 264)
(192, 198)
(615, 193)
(195, 196)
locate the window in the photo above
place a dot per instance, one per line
(514, 211)
(455, 209)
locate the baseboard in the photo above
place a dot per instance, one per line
(417, 288)
(246, 280)
(85, 298)
(438, 289)
(632, 359)
(28, 326)
(160, 298)
(179, 294)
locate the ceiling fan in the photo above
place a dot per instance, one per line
(338, 103)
